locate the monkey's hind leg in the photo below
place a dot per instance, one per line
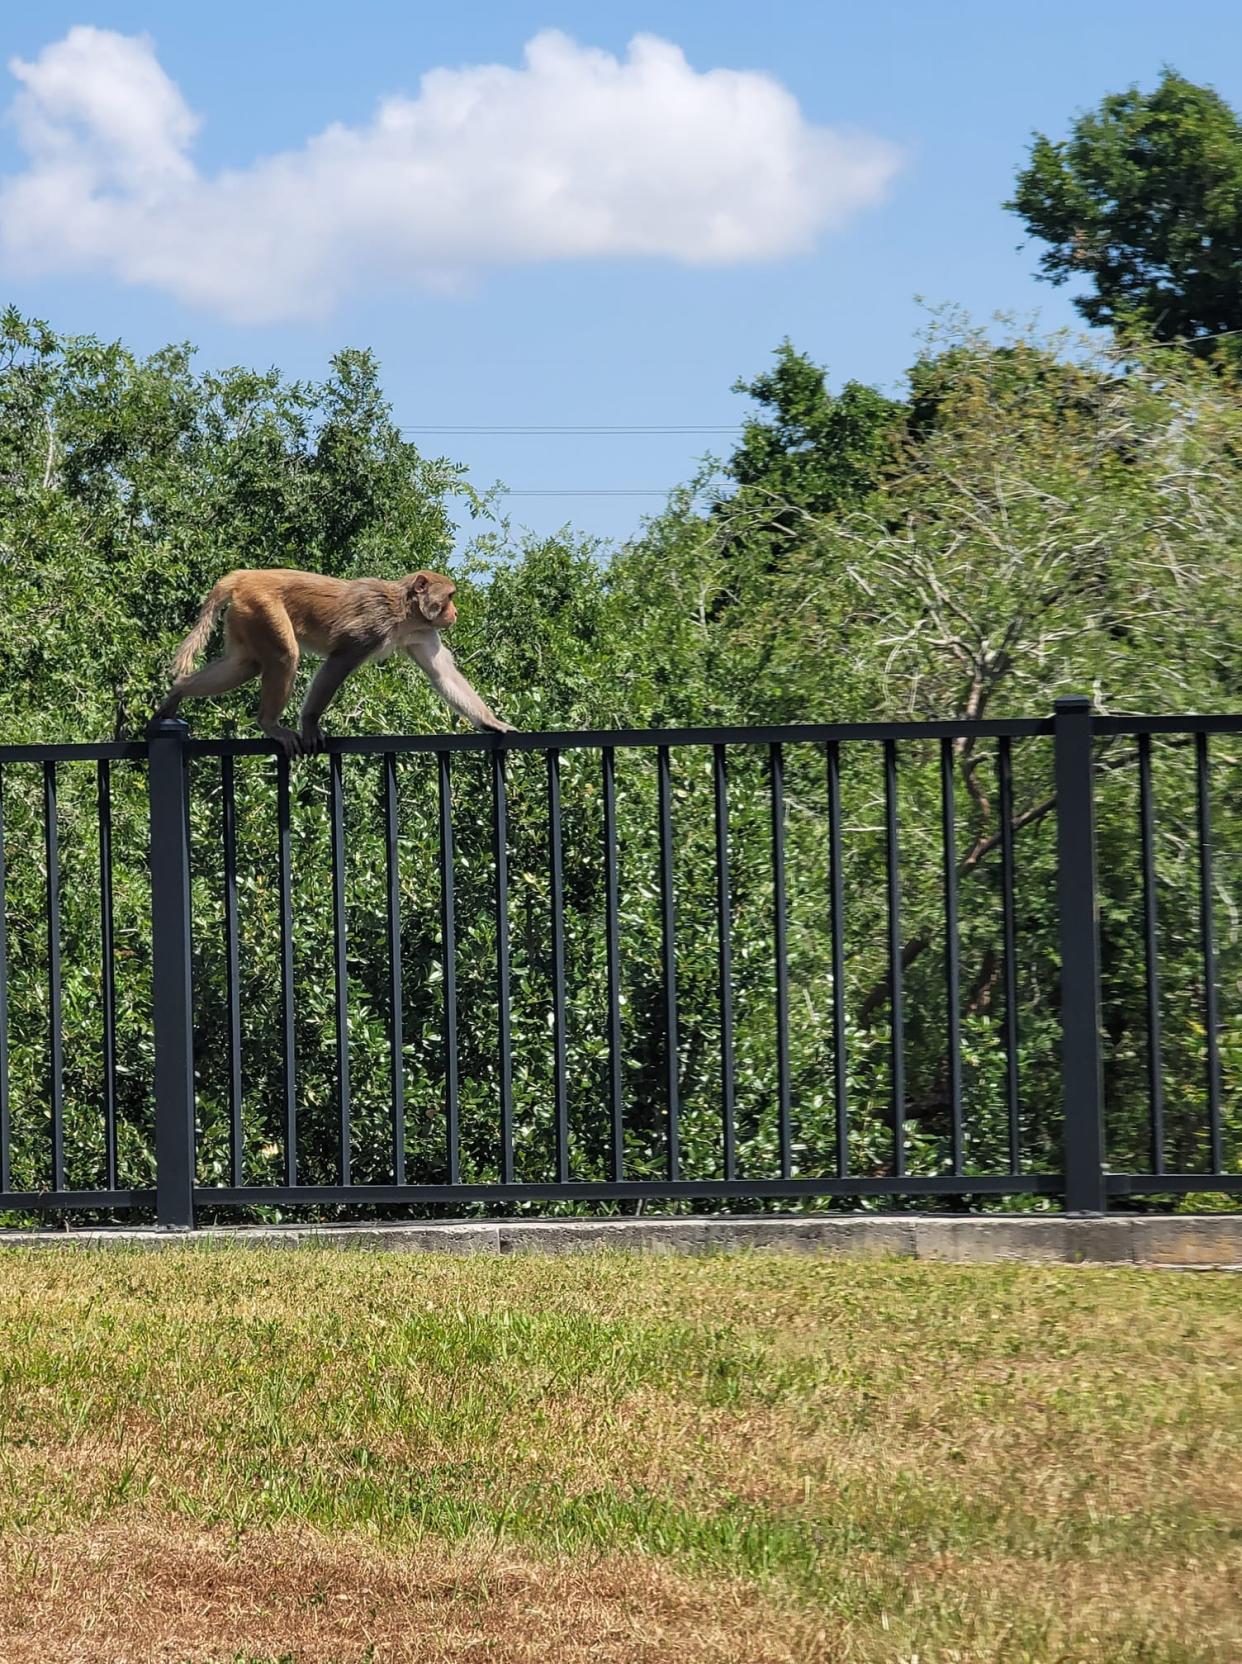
(220, 676)
(277, 684)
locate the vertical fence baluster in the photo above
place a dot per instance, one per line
(1155, 1062)
(341, 962)
(560, 1086)
(6, 1131)
(56, 1039)
(895, 969)
(288, 1032)
(952, 952)
(107, 966)
(186, 795)
(836, 886)
(776, 770)
(1211, 1014)
(232, 970)
(1004, 764)
(448, 938)
(669, 948)
(1082, 1092)
(172, 993)
(500, 847)
(396, 1041)
(724, 938)
(613, 953)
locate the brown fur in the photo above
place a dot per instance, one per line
(272, 616)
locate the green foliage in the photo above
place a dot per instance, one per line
(1144, 200)
(1028, 523)
(809, 447)
(127, 486)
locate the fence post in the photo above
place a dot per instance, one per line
(1082, 1080)
(170, 970)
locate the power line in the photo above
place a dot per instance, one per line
(591, 491)
(1195, 340)
(578, 428)
(611, 429)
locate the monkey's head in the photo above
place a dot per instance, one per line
(433, 595)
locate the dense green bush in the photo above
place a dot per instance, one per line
(1029, 522)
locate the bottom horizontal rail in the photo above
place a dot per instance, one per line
(586, 1190)
(943, 1184)
(1171, 1184)
(53, 1201)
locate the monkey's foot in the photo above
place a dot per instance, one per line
(289, 742)
(158, 722)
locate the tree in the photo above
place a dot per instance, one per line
(807, 445)
(1052, 525)
(1144, 199)
(127, 486)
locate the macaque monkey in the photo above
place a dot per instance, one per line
(273, 615)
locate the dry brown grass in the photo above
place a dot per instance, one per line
(142, 1593)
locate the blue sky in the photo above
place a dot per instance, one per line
(940, 101)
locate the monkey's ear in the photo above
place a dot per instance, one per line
(419, 583)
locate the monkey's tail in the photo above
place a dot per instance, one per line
(194, 643)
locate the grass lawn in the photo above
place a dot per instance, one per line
(322, 1455)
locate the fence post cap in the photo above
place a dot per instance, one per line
(1072, 704)
(168, 728)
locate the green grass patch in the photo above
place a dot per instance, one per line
(996, 1458)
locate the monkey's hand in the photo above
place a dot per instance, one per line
(494, 725)
(311, 739)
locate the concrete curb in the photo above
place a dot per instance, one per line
(1184, 1241)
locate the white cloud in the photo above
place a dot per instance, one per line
(576, 155)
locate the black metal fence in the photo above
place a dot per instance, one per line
(169, 760)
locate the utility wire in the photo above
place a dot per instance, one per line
(608, 428)
(576, 428)
(1195, 340)
(591, 491)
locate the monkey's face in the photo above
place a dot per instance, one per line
(433, 595)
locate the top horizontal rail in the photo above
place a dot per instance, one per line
(1167, 724)
(579, 739)
(593, 739)
(117, 751)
